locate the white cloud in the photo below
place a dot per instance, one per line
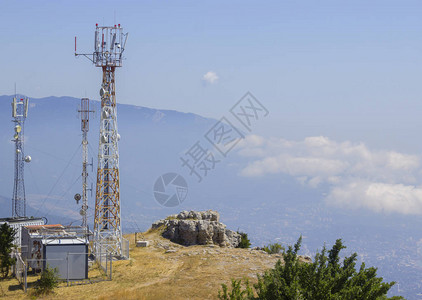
(383, 181)
(379, 197)
(296, 166)
(210, 77)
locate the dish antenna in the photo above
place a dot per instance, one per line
(77, 197)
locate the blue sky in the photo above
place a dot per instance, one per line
(357, 64)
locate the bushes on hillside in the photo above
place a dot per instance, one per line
(48, 282)
(273, 248)
(236, 293)
(7, 235)
(244, 241)
(325, 278)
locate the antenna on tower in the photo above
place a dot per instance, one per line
(84, 113)
(109, 45)
(19, 114)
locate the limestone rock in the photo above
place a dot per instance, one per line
(197, 228)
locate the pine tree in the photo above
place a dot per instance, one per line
(244, 241)
(7, 235)
(48, 282)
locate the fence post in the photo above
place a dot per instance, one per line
(104, 262)
(15, 265)
(24, 276)
(111, 267)
(67, 271)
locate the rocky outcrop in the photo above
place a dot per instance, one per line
(197, 228)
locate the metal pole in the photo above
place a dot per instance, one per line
(105, 257)
(111, 267)
(67, 260)
(25, 285)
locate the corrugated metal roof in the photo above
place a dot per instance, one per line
(45, 226)
(64, 241)
(19, 220)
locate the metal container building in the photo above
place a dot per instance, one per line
(18, 224)
(57, 246)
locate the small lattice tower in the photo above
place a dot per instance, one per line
(109, 47)
(84, 113)
(19, 113)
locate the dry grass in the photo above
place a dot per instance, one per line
(194, 272)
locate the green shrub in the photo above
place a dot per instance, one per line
(244, 241)
(236, 291)
(7, 235)
(326, 278)
(48, 282)
(274, 248)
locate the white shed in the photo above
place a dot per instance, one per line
(56, 246)
(18, 224)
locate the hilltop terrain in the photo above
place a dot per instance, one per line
(272, 208)
(165, 270)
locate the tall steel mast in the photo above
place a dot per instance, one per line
(19, 114)
(108, 49)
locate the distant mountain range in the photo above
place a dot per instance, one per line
(151, 142)
(270, 208)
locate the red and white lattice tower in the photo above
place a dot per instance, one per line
(109, 47)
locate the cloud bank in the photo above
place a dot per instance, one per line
(357, 177)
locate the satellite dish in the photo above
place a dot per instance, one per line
(102, 92)
(77, 197)
(16, 136)
(118, 137)
(103, 139)
(18, 128)
(18, 151)
(28, 159)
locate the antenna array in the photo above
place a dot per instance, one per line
(108, 49)
(19, 114)
(84, 113)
